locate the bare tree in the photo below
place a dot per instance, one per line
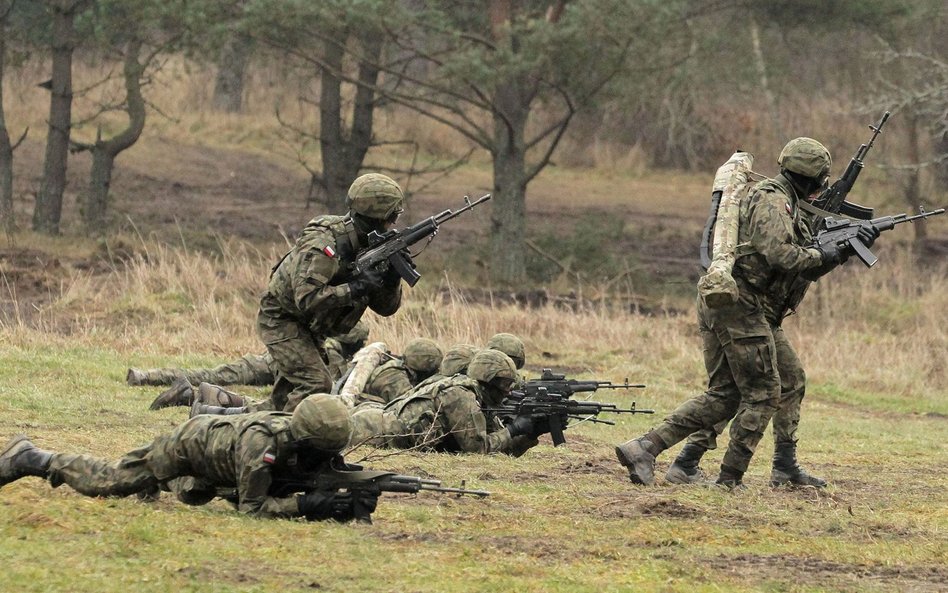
(49, 200)
(6, 146)
(94, 201)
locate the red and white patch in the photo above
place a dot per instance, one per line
(789, 208)
(269, 457)
(329, 251)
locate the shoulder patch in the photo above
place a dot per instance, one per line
(269, 457)
(329, 251)
(789, 208)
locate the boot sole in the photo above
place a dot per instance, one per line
(630, 465)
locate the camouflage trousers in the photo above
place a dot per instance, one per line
(740, 355)
(299, 360)
(792, 387)
(251, 369)
(139, 470)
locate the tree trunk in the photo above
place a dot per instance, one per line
(6, 149)
(49, 201)
(913, 192)
(508, 204)
(941, 167)
(231, 72)
(344, 154)
(336, 176)
(94, 206)
(761, 68)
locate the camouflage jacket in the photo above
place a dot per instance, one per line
(388, 381)
(335, 358)
(771, 247)
(446, 416)
(310, 283)
(243, 451)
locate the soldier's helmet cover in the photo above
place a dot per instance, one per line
(322, 422)
(807, 157)
(375, 196)
(423, 355)
(456, 359)
(489, 365)
(510, 345)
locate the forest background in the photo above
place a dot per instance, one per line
(156, 158)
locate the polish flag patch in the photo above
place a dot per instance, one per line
(329, 251)
(789, 209)
(269, 457)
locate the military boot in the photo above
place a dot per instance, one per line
(179, 394)
(21, 458)
(135, 377)
(787, 471)
(213, 395)
(730, 478)
(198, 408)
(638, 456)
(685, 470)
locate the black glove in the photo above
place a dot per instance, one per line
(832, 254)
(365, 283)
(867, 234)
(521, 426)
(338, 506)
(391, 278)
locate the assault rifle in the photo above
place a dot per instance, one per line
(352, 478)
(558, 410)
(556, 383)
(845, 232)
(833, 198)
(392, 246)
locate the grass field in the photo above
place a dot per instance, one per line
(558, 519)
(200, 207)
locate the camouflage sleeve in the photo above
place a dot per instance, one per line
(252, 457)
(311, 289)
(386, 300)
(772, 234)
(388, 384)
(465, 421)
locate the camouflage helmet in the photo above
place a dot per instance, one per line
(422, 355)
(456, 359)
(357, 335)
(807, 157)
(323, 422)
(488, 365)
(375, 196)
(510, 345)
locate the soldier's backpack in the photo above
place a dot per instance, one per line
(719, 247)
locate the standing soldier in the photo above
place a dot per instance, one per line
(313, 294)
(246, 452)
(752, 368)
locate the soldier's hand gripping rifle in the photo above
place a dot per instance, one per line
(845, 233)
(361, 483)
(392, 246)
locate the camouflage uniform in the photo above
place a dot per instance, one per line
(398, 376)
(251, 369)
(746, 353)
(309, 298)
(442, 416)
(246, 452)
